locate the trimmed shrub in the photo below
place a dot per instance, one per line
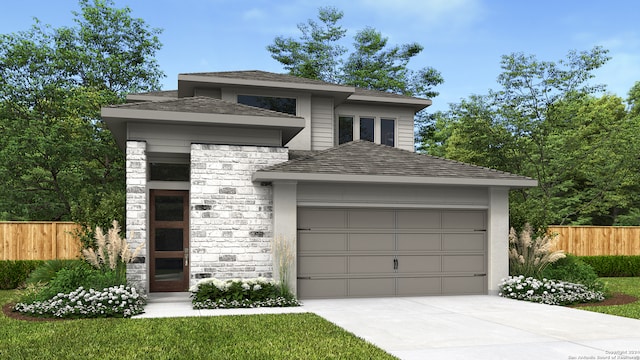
(614, 265)
(69, 278)
(572, 269)
(48, 269)
(239, 293)
(13, 273)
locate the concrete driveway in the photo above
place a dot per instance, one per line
(482, 327)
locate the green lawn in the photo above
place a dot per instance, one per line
(626, 285)
(288, 336)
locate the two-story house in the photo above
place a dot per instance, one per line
(232, 160)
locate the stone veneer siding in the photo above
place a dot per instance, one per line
(136, 218)
(231, 217)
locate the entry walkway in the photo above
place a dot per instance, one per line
(457, 327)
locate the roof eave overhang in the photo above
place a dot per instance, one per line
(117, 119)
(417, 103)
(265, 176)
(132, 98)
(187, 82)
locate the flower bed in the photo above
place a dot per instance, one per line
(115, 301)
(239, 293)
(552, 292)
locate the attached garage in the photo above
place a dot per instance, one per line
(369, 220)
(390, 252)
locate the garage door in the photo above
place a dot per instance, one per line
(372, 252)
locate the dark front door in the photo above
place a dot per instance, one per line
(169, 240)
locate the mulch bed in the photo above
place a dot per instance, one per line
(616, 299)
(7, 309)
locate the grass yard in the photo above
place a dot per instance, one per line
(626, 285)
(288, 336)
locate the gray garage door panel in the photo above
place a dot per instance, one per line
(365, 218)
(382, 252)
(323, 288)
(463, 285)
(322, 218)
(371, 242)
(419, 242)
(372, 287)
(419, 286)
(419, 219)
(464, 242)
(310, 242)
(408, 264)
(323, 265)
(463, 263)
(464, 220)
(371, 264)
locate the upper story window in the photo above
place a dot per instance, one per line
(387, 132)
(345, 129)
(367, 129)
(279, 104)
(381, 131)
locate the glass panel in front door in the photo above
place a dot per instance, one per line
(169, 269)
(169, 208)
(169, 239)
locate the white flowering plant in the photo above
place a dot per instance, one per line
(115, 301)
(214, 293)
(545, 291)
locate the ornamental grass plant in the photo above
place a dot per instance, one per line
(284, 255)
(112, 252)
(529, 256)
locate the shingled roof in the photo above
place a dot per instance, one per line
(257, 75)
(203, 105)
(360, 159)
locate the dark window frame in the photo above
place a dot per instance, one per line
(280, 104)
(384, 138)
(348, 135)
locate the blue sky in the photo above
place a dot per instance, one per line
(463, 39)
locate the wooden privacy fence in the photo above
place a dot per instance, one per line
(597, 240)
(38, 240)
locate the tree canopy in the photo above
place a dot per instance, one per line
(58, 161)
(372, 64)
(549, 122)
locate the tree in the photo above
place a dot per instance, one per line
(58, 161)
(546, 122)
(316, 55)
(371, 65)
